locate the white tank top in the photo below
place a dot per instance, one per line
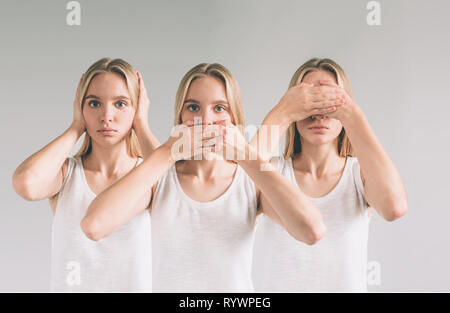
(120, 262)
(203, 246)
(337, 263)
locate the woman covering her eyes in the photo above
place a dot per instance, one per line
(111, 108)
(205, 192)
(322, 155)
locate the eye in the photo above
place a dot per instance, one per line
(219, 108)
(94, 104)
(121, 104)
(192, 107)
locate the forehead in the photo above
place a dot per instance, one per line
(208, 88)
(317, 75)
(107, 85)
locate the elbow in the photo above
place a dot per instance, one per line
(22, 187)
(312, 228)
(396, 210)
(91, 229)
(316, 233)
(313, 234)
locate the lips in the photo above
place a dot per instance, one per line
(107, 131)
(318, 127)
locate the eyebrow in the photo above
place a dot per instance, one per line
(215, 102)
(115, 98)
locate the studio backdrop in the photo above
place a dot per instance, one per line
(394, 52)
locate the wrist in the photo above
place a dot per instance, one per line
(166, 149)
(248, 155)
(140, 124)
(255, 164)
(77, 127)
(353, 118)
(279, 116)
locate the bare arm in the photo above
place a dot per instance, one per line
(41, 175)
(280, 199)
(285, 203)
(383, 186)
(107, 212)
(147, 140)
(269, 134)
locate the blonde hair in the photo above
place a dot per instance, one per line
(124, 69)
(231, 87)
(293, 144)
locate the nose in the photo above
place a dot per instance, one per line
(208, 116)
(107, 114)
(318, 117)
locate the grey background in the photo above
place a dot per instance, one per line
(399, 72)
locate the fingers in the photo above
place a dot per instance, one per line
(330, 84)
(326, 82)
(188, 123)
(320, 101)
(223, 123)
(302, 84)
(142, 88)
(206, 131)
(323, 111)
(324, 89)
(213, 131)
(320, 97)
(212, 141)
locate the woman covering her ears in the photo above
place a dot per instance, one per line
(111, 108)
(204, 201)
(337, 161)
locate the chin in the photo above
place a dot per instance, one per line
(319, 140)
(108, 140)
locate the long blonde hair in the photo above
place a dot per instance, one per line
(124, 69)
(293, 143)
(231, 87)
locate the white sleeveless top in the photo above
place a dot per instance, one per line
(203, 246)
(337, 263)
(120, 262)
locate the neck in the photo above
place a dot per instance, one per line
(318, 160)
(109, 161)
(205, 169)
